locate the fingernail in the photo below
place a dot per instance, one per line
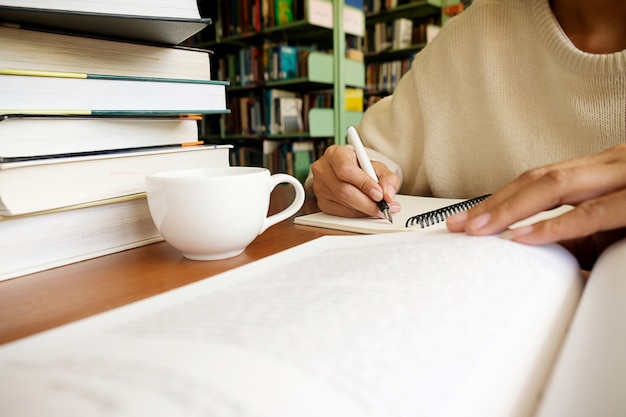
(478, 222)
(376, 195)
(391, 191)
(512, 234)
(395, 207)
(457, 218)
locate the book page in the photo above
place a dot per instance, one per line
(590, 376)
(379, 325)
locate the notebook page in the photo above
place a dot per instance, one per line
(341, 326)
(411, 206)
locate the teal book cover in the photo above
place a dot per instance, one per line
(288, 62)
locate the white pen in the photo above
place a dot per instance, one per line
(366, 165)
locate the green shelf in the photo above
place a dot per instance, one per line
(322, 123)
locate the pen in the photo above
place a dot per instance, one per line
(366, 165)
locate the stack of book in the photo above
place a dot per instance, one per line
(95, 96)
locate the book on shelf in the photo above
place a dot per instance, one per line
(270, 97)
(411, 206)
(289, 114)
(284, 11)
(246, 154)
(303, 156)
(293, 157)
(382, 37)
(48, 239)
(33, 92)
(244, 16)
(247, 66)
(38, 50)
(355, 54)
(163, 22)
(270, 155)
(283, 62)
(432, 30)
(358, 4)
(402, 33)
(43, 184)
(35, 136)
(354, 99)
(382, 77)
(380, 325)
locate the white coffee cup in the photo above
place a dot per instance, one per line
(215, 213)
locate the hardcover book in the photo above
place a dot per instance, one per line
(350, 326)
(37, 136)
(41, 92)
(117, 23)
(75, 233)
(23, 49)
(43, 184)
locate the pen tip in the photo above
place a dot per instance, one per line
(388, 216)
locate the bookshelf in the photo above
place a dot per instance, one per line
(245, 41)
(396, 30)
(394, 35)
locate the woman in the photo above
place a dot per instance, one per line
(506, 86)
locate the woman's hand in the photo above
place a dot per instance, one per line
(595, 185)
(342, 188)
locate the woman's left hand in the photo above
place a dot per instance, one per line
(594, 185)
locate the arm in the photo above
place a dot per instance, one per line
(595, 185)
(391, 131)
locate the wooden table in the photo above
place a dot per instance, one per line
(37, 302)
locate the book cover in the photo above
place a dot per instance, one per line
(354, 99)
(402, 33)
(52, 135)
(72, 234)
(284, 12)
(142, 28)
(303, 156)
(43, 92)
(269, 106)
(287, 62)
(44, 184)
(23, 49)
(289, 114)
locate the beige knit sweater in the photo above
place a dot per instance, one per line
(500, 90)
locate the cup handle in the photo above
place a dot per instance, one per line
(295, 205)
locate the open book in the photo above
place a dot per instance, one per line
(370, 325)
(411, 206)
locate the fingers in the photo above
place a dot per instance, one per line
(342, 188)
(595, 185)
(595, 215)
(534, 191)
(388, 181)
(337, 183)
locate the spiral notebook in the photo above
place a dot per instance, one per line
(422, 214)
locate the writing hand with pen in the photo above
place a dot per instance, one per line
(345, 185)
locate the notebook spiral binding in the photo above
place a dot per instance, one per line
(432, 217)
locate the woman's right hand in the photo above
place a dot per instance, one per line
(342, 188)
